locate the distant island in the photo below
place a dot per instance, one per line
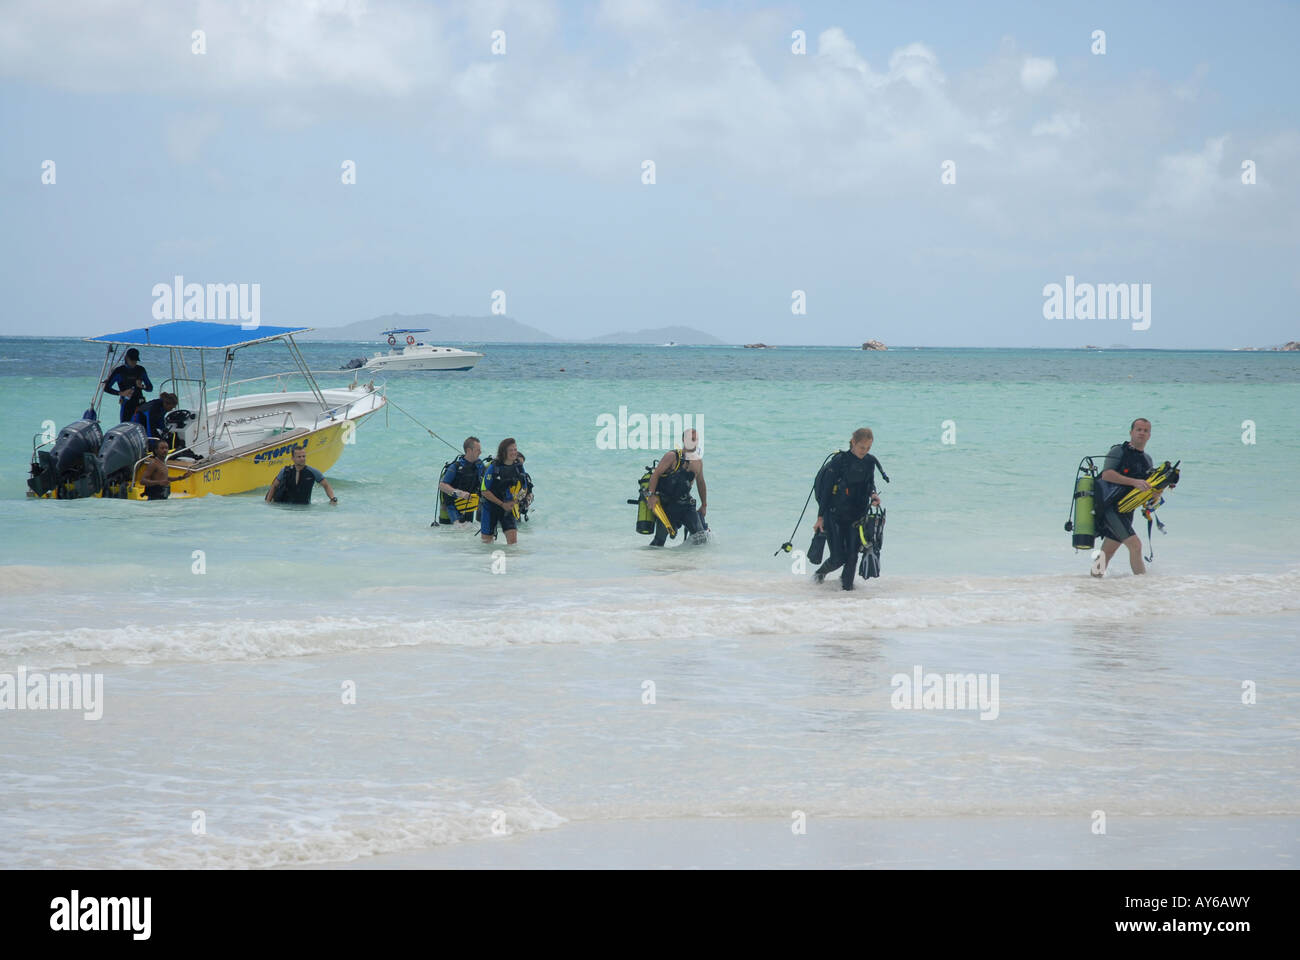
(493, 329)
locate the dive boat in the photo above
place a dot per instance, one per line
(418, 355)
(222, 440)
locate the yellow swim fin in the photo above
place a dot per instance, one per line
(1161, 477)
(663, 518)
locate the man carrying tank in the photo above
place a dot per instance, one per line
(844, 488)
(1127, 465)
(670, 484)
(461, 480)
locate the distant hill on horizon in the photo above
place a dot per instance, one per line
(489, 329)
(493, 329)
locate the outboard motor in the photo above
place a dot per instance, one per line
(123, 447)
(69, 461)
(356, 363)
(74, 440)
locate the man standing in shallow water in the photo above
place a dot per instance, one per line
(1127, 465)
(295, 482)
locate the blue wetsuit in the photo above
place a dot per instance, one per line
(498, 478)
(123, 377)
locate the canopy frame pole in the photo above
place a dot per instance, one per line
(103, 375)
(302, 365)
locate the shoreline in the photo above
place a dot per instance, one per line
(922, 843)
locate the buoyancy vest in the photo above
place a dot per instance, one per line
(675, 483)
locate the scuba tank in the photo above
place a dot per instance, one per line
(645, 521)
(1083, 520)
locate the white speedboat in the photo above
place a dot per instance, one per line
(415, 354)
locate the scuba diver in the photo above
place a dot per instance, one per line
(1127, 465)
(296, 481)
(844, 488)
(669, 492)
(153, 415)
(458, 488)
(498, 503)
(131, 381)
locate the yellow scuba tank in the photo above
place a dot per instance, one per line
(1083, 520)
(645, 521)
(1161, 478)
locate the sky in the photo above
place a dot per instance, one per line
(523, 169)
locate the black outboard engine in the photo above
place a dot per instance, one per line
(74, 440)
(69, 463)
(124, 446)
(356, 363)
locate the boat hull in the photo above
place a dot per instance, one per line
(249, 468)
(257, 468)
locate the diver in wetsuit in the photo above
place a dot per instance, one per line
(295, 482)
(153, 415)
(129, 381)
(497, 505)
(1127, 466)
(844, 489)
(460, 482)
(670, 486)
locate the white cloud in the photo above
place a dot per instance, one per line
(1064, 125)
(1036, 73)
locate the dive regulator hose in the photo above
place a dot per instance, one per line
(789, 544)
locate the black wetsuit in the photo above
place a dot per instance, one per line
(294, 486)
(1127, 460)
(153, 417)
(498, 478)
(674, 492)
(123, 377)
(843, 491)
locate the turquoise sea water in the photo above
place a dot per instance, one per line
(521, 690)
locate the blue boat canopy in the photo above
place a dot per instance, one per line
(196, 334)
(389, 333)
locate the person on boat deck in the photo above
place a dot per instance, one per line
(461, 479)
(157, 484)
(496, 504)
(129, 374)
(153, 415)
(295, 482)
